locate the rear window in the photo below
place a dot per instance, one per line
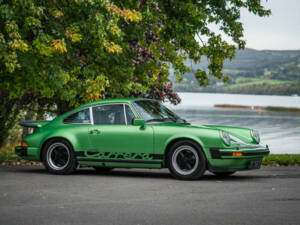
(81, 117)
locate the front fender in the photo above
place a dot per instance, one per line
(205, 137)
(178, 137)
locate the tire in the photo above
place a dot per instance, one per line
(58, 157)
(186, 161)
(223, 174)
(102, 169)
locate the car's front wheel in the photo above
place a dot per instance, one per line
(186, 160)
(58, 157)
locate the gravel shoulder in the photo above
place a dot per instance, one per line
(29, 195)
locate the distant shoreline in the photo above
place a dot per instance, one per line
(271, 108)
(200, 100)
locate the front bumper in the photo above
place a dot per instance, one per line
(227, 159)
(245, 152)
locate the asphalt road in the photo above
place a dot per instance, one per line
(29, 195)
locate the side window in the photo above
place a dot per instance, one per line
(129, 114)
(109, 114)
(82, 116)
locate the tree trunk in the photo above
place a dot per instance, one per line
(8, 112)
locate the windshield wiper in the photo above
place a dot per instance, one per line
(159, 120)
(182, 121)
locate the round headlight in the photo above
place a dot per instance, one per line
(255, 136)
(226, 137)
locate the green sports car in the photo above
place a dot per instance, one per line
(139, 133)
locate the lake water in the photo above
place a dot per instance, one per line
(280, 130)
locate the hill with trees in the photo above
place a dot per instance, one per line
(272, 72)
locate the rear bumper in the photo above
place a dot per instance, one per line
(28, 153)
(21, 151)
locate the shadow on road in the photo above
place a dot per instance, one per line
(159, 174)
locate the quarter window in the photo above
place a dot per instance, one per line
(129, 114)
(82, 116)
(109, 114)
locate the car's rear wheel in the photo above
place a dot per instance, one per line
(223, 174)
(58, 157)
(102, 169)
(186, 160)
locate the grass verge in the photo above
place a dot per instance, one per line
(7, 154)
(282, 160)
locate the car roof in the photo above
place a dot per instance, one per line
(106, 101)
(113, 100)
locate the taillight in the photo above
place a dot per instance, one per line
(24, 144)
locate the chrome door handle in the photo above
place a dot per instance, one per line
(96, 131)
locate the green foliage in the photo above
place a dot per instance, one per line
(65, 53)
(282, 159)
(7, 153)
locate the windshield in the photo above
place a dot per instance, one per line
(153, 111)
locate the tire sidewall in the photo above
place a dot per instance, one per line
(71, 164)
(201, 165)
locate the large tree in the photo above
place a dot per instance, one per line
(68, 52)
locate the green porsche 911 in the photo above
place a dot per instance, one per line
(139, 133)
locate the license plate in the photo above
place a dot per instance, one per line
(254, 164)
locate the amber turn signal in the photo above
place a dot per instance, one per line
(24, 144)
(237, 154)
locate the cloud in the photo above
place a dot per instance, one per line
(280, 31)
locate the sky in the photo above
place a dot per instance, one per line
(279, 31)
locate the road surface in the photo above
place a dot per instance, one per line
(29, 195)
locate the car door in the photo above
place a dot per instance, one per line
(114, 137)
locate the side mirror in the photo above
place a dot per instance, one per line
(139, 122)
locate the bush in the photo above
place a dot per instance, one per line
(282, 159)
